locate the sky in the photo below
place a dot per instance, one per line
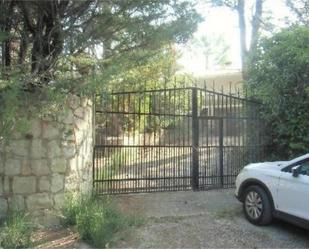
(224, 22)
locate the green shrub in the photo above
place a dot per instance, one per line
(97, 221)
(16, 231)
(70, 210)
(279, 78)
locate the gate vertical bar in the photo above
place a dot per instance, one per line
(221, 151)
(195, 141)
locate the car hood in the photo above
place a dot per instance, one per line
(268, 165)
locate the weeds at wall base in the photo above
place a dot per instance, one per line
(16, 231)
(96, 220)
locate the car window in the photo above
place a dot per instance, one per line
(304, 164)
(304, 170)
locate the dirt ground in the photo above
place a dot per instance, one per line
(201, 219)
(208, 219)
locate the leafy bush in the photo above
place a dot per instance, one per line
(96, 220)
(279, 77)
(15, 232)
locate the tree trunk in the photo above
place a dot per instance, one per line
(242, 35)
(256, 23)
(6, 26)
(23, 48)
(47, 40)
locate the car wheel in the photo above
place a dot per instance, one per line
(257, 206)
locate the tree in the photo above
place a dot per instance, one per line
(214, 48)
(159, 70)
(279, 78)
(301, 10)
(36, 33)
(48, 47)
(240, 7)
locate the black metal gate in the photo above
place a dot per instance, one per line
(173, 139)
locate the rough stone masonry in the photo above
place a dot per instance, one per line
(53, 158)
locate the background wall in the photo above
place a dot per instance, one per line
(54, 157)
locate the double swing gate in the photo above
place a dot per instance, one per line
(173, 139)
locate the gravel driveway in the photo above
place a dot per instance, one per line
(202, 219)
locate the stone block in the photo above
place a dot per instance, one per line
(38, 150)
(57, 183)
(58, 165)
(36, 128)
(59, 200)
(71, 183)
(69, 150)
(12, 167)
(80, 136)
(1, 185)
(83, 150)
(46, 218)
(44, 184)
(3, 206)
(88, 113)
(80, 112)
(1, 162)
(17, 135)
(69, 118)
(40, 167)
(19, 147)
(39, 201)
(73, 164)
(6, 185)
(81, 163)
(88, 148)
(50, 131)
(84, 102)
(89, 103)
(53, 149)
(81, 124)
(17, 203)
(24, 184)
(68, 129)
(68, 136)
(74, 102)
(26, 168)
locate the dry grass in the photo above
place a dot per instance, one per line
(55, 238)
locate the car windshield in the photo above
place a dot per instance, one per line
(295, 160)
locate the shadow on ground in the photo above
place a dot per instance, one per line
(201, 219)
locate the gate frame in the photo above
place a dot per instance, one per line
(195, 142)
(195, 129)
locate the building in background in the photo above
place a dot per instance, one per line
(228, 81)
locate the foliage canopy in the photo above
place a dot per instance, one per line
(53, 48)
(279, 77)
(300, 8)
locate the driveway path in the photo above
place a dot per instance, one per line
(202, 220)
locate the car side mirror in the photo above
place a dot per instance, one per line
(295, 171)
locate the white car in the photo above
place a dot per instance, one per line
(275, 189)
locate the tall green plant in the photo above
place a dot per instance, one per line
(97, 221)
(16, 231)
(279, 77)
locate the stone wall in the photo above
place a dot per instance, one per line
(54, 157)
